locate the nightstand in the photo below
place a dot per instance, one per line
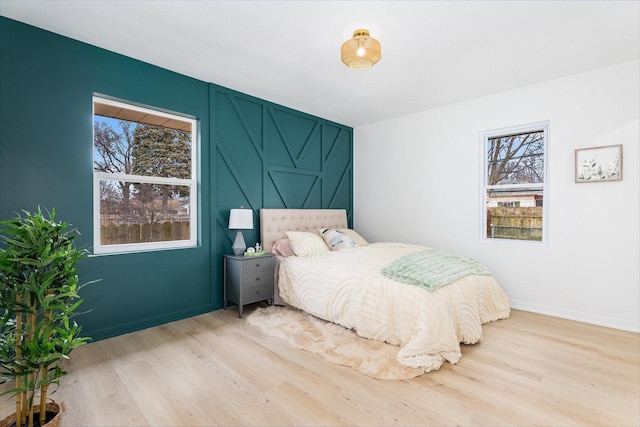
(248, 279)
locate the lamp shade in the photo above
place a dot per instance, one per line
(241, 219)
(362, 51)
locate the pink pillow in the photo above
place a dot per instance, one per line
(282, 248)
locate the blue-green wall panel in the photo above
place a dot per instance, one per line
(338, 170)
(253, 153)
(46, 150)
(306, 161)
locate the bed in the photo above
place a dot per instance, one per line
(357, 285)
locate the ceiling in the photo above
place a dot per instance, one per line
(434, 53)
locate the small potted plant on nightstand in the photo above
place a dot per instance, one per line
(39, 290)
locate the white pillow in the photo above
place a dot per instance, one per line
(337, 239)
(360, 241)
(304, 243)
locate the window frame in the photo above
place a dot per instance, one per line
(544, 127)
(192, 183)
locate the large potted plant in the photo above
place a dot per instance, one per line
(39, 281)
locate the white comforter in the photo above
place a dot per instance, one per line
(347, 287)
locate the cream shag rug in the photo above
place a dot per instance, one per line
(333, 342)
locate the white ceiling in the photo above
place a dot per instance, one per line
(434, 53)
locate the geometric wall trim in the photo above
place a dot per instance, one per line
(267, 155)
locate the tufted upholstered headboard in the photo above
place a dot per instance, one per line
(274, 223)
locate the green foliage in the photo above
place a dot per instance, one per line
(39, 293)
(160, 151)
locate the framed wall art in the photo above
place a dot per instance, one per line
(599, 164)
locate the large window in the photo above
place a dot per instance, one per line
(145, 187)
(515, 183)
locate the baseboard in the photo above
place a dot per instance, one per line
(113, 331)
(609, 322)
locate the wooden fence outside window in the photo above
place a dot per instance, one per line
(143, 233)
(520, 223)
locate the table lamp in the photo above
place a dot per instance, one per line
(240, 219)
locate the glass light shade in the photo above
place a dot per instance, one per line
(361, 40)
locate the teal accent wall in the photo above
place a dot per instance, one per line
(267, 155)
(253, 153)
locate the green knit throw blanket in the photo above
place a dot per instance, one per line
(432, 268)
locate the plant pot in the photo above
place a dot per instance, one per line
(54, 413)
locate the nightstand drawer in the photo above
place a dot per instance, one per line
(258, 265)
(258, 278)
(257, 293)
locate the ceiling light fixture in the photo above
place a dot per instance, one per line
(362, 51)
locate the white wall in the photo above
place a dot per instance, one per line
(417, 179)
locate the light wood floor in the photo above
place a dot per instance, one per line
(215, 369)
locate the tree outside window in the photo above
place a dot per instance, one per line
(515, 183)
(144, 178)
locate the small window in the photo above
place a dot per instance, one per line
(515, 183)
(145, 187)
